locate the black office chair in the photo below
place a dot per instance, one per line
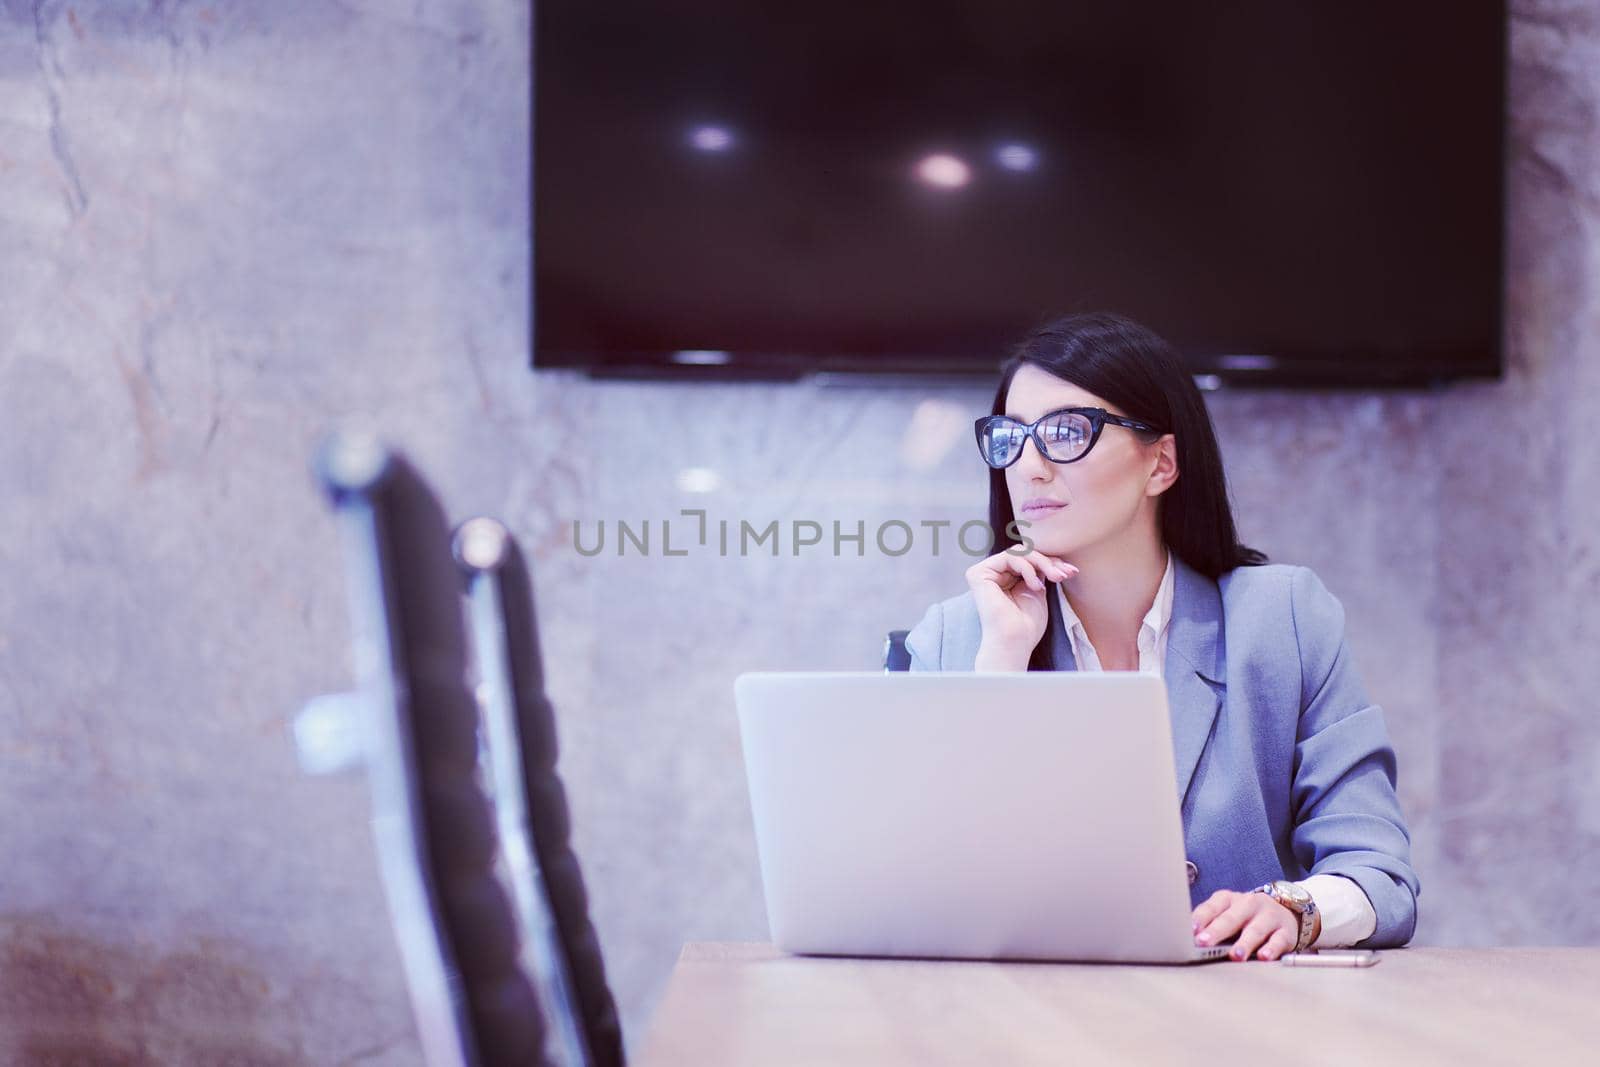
(896, 657)
(413, 724)
(520, 739)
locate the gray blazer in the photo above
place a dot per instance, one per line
(1284, 766)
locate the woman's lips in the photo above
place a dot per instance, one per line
(1038, 509)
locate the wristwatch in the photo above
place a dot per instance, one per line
(1297, 900)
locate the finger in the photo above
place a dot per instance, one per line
(1000, 569)
(1280, 942)
(1211, 907)
(1255, 934)
(1231, 921)
(992, 572)
(1054, 568)
(1058, 569)
(1236, 911)
(1029, 572)
(1003, 580)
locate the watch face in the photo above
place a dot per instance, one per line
(1292, 894)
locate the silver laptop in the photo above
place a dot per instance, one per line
(1027, 816)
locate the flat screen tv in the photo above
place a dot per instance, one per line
(1294, 193)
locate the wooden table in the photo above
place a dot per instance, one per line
(749, 1004)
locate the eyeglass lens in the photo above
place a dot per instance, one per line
(1065, 434)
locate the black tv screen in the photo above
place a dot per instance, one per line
(1291, 192)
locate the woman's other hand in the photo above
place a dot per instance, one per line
(1265, 927)
(1009, 590)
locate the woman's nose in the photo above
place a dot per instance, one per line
(1033, 464)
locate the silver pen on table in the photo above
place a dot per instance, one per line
(1332, 957)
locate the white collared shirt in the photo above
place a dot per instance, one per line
(1347, 914)
(1152, 630)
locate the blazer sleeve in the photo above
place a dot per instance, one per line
(1346, 812)
(925, 642)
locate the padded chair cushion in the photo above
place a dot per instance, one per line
(548, 817)
(478, 921)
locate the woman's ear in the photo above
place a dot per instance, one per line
(1166, 468)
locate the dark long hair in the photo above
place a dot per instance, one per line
(1131, 367)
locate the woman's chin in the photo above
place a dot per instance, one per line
(1059, 547)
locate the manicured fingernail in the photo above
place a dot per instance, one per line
(1236, 954)
(1204, 939)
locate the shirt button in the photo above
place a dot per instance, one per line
(1192, 871)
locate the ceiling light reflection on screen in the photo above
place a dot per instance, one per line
(702, 357)
(1248, 362)
(711, 138)
(944, 171)
(1017, 157)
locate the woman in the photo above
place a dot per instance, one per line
(1118, 552)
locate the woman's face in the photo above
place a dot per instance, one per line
(1066, 508)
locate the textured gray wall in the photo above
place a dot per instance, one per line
(224, 225)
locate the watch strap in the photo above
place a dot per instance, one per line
(1305, 911)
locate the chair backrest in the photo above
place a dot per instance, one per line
(535, 833)
(896, 657)
(434, 827)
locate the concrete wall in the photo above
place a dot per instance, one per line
(224, 225)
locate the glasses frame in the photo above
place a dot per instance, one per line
(1098, 418)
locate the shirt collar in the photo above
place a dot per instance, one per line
(1156, 620)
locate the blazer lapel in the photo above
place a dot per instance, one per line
(1196, 667)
